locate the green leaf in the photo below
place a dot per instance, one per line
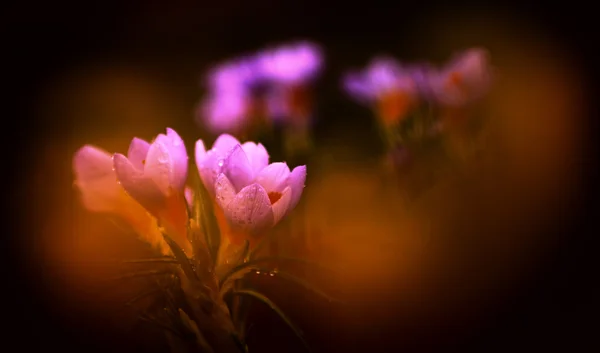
(293, 278)
(181, 258)
(158, 323)
(193, 327)
(142, 295)
(148, 273)
(240, 270)
(154, 260)
(203, 214)
(260, 297)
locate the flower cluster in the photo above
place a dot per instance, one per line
(394, 88)
(270, 85)
(148, 185)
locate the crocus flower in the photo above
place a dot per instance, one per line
(210, 163)
(100, 192)
(464, 79)
(154, 174)
(386, 85)
(254, 195)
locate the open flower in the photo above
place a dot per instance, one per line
(255, 196)
(465, 78)
(386, 85)
(154, 174)
(210, 163)
(100, 192)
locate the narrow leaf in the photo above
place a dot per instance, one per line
(141, 274)
(154, 260)
(204, 215)
(142, 295)
(150, 319)
(260, 297)
(193, 327)
(242, 269)
(293, 278)
(181, 258)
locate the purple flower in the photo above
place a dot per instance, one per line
(233, 77)
(226, 111)
(382, 77)
(464, 79)
(100, 192)
(253, 194)
(292, 64)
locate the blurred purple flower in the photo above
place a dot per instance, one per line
(383, 76)
(226, 111)
(467, 77)
(292, 64)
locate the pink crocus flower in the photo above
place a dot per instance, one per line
(154, 174)
(210, 162)
(100, 192)
(255, 196)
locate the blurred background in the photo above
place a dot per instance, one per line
(487, 262)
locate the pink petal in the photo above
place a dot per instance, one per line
(280, 207)
(96, 179)
(257, 155)
(91, 163)
(209, 168)
(137, 185)
(250, 210)
(159, 166)
(237, 168)
(224, 191)
(199, 151)
(138, 150)
(179, 159)
(297, 180)
(275, 177)
(224, 143)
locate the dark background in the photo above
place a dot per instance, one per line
(557, 308)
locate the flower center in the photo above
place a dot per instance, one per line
(274, 196)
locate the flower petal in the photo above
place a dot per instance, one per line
(137, 185)
(237, 168)
(257, 155)
(224, 143)
(179, 158)
(250, 210)
(209, 168)
(159, 166)
(138, 150)
(275, 177)
(280, 207)
(96, 179)
(224, 191)
(297, 180)
(199, 151)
